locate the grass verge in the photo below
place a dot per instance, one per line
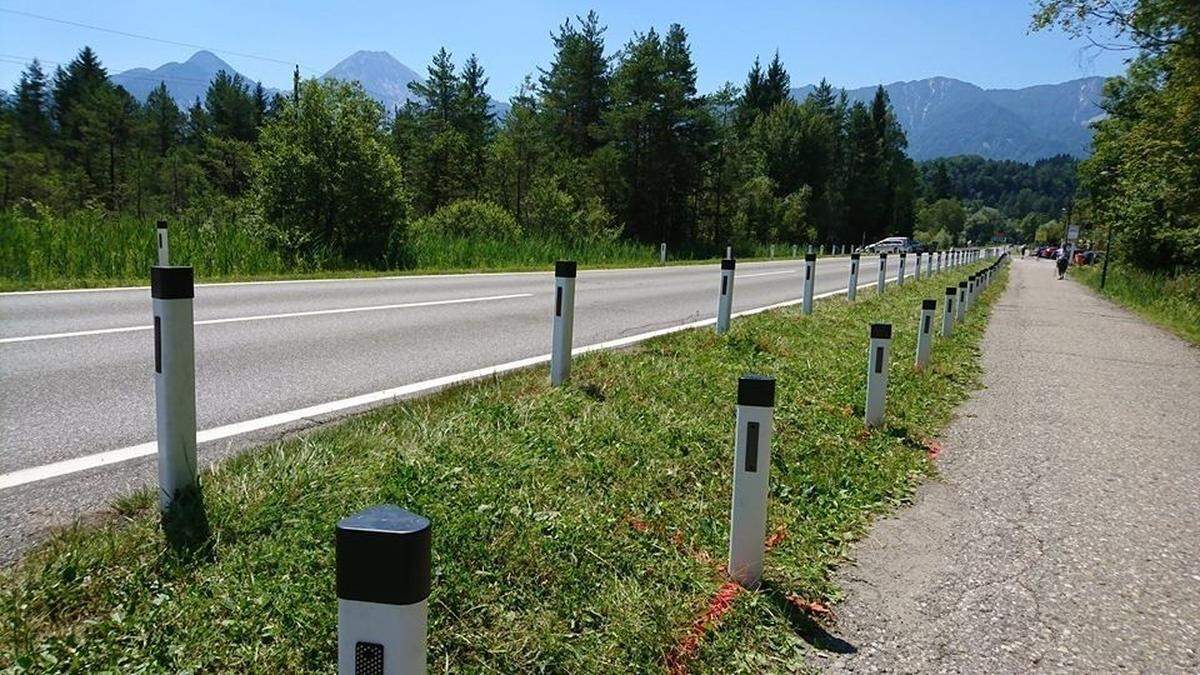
(579, 529)
(1171, 302)
(89, 250)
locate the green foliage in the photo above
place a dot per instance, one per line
(1143, 178)
(941, 223)
(468, 219)
(599, 146)
(1016, 189)
(325, 180)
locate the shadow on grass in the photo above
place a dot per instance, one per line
(185, 525)
(808, 628)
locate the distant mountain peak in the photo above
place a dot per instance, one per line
(208, 61)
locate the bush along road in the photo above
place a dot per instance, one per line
(578, 528)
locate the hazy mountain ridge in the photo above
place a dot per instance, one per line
(381, 75)
(943, 116)
(185, 81)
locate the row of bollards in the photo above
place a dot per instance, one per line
(384, 553)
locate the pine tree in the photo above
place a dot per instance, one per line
(72, 85)
(778, 85)
(231, 108)
(575, 89)
(440, 92)
(31, 110)
(753, 94)
(475, 119)
(164, 117)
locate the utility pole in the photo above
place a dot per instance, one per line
(1107, 255)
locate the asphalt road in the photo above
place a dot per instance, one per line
(76, 368)
(1064, 531)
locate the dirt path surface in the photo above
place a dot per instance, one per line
(1064, 533)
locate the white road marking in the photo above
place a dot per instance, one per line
(77, 464)
(263, 317)
(764, 274)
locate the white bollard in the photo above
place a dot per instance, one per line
(662, 253)
(822, 252)
(751, 465)
(962, 300)
(810, 273)
(725, 299)
(877, 372)
(172, 290)
(948, 315)
(383, 559)
(917, 266)
(852, 289)
(564, 321)
(900, 276)
(939, 262)
(729, 252)
(881, 285)
(970, 294)
(164, 256)
(793, 250)
(925, 332)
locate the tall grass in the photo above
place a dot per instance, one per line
(1170, 301)
(84, 249)
(89, 249)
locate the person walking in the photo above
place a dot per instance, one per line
(1061, 261)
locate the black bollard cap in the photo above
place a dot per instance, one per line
(162, 224)
(882, 256)
(810, 257)
(728, 263)
(855, 256)
(172, 283)
(962, 284)
(950, 290)
(903, 254)
(928, 304)
(881, 331)
(384, 555)
(564, 269)
(756, 390)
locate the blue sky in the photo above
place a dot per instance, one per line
(853, 43)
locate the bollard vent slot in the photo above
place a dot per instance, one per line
(751, 447)
(368, 658)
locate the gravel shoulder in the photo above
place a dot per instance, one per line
(1064, 531)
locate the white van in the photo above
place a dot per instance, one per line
(891, 245)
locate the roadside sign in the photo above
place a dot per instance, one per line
(1072, 233)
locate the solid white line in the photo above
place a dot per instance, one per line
(764, 274)
(69, 466)
(263, 317)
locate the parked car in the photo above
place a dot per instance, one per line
(895, 245)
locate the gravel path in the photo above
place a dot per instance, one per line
(1064, 534)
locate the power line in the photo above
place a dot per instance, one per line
(153, 39)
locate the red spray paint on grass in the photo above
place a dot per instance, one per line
(718, 606)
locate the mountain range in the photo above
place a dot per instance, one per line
(944, 117)
(940, 115)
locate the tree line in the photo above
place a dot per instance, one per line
(597, 145)
(1142, 181)
(600, 143)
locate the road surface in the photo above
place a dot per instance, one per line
(76, 367)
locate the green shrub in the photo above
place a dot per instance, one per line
(468, 219)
